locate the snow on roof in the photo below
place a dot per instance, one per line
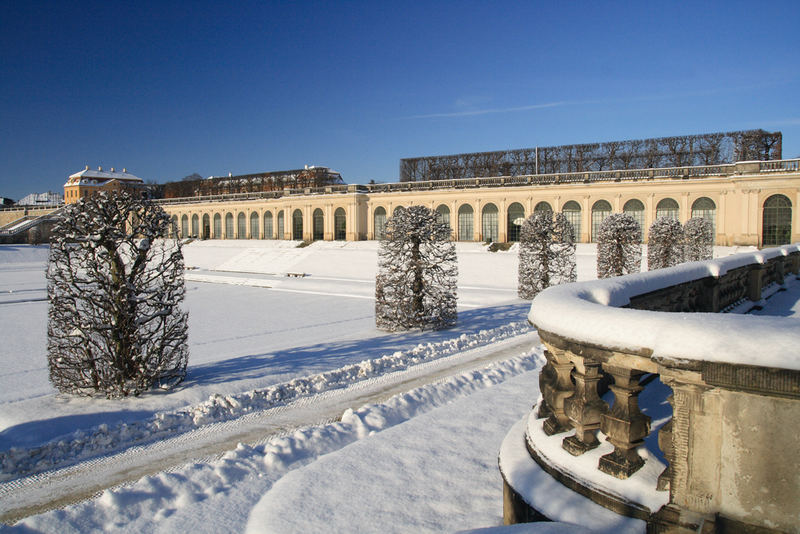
(41, 199)
(592, 312)
(98, 176)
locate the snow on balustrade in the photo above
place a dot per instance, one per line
(594, 312)
(734, 379)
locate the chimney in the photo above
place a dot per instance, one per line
(99, 168)
(124, 169)
(87, 168)
(112, 169)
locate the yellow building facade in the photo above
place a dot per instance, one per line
(749, 203)
(89, 181)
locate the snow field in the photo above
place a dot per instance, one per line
(105, 439)
(217, 496)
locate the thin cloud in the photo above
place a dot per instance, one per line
(604, 101)
(487, 111)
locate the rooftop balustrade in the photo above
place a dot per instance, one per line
(626, 175)
(728, 451)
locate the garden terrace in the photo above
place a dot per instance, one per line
(727, 457)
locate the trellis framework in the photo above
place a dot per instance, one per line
(677, 151)
(253, 183)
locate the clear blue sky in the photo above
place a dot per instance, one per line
(167, 89)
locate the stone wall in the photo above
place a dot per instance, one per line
(731, 446)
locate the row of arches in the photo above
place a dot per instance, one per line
(776, 217)
(489, 222)
(515, 213)
(268, 226)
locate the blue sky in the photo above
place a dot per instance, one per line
(167, 89)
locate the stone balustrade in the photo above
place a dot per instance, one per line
(730, 447)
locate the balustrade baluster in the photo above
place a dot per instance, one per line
(625, 425)
(584, 407)
(556, 385)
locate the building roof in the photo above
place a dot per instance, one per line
(99, 177)
(41, 199)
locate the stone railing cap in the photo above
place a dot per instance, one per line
(592, 312)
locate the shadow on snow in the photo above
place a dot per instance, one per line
(278, 366)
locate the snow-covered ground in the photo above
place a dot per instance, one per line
(253, 328)
(242, 335)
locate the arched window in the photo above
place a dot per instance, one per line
(515, 217)
(229, 226)
(635, 208)
(297, 225)
(184, 226)
(241, 223)
(206, 227)
(396, 209)
(379, 219)
(465, 229)
(268, 230)
(667, 207)
(254, 225)
(217, 226)
(339, 224)
(281, 225)
(443, 215)
(704, 207)
(543, 206)
(572, 211)
(776, 227)
(600, 210)
(489, 225)
(318, 224)
(195, 226)
(173, 228)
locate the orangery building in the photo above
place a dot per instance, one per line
(748, 202)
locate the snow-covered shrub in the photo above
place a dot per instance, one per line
(417, 273)
(546, 253)
(665, 245)
(619, 246)
(115, 287)
(698, 234)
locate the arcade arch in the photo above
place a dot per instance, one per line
(317, 225)
(339, 224)
(465, 225)
(572, 212)
(489, 223)
(600, 210)
(514, 216)
(667, 207)
(776, 221)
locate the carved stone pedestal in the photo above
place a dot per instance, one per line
(625, 425)
(584, 408)
(556, 385)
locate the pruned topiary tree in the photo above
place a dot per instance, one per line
(115, 287)
(698, 234)
(417, 273)
(619, 246)
(546, 253)
(665, 243)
